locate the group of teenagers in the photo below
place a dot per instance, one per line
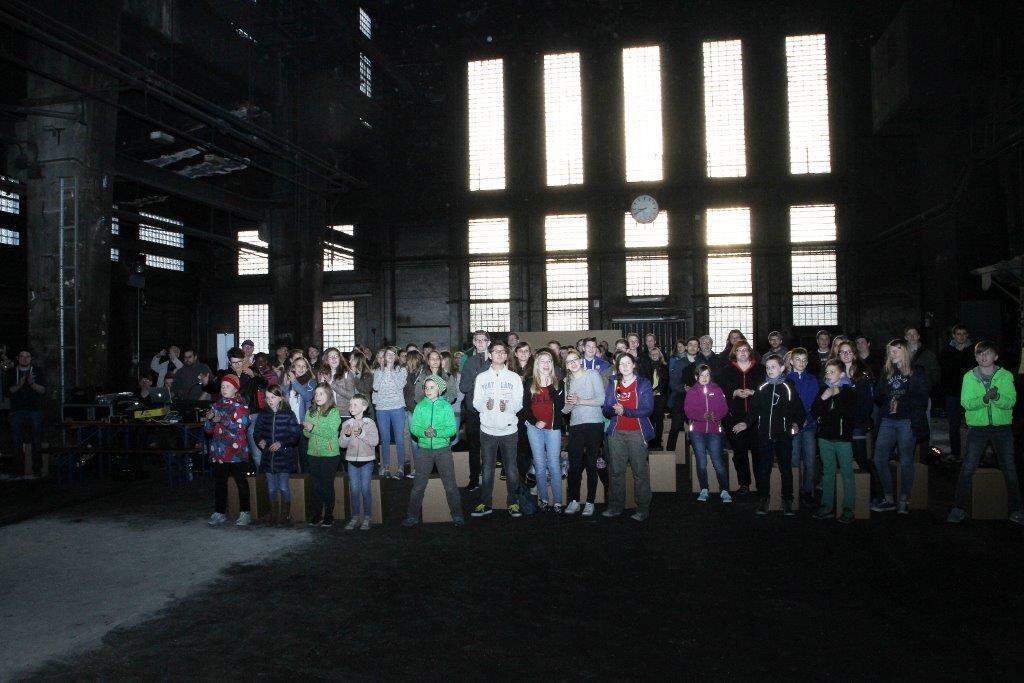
(511, 406)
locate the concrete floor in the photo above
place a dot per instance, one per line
(132, 585)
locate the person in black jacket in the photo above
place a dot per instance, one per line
(660, 384)
(277, 434)
(776, 413)
(834, 409)
(955, 361)
(740, 380)
(477, 360)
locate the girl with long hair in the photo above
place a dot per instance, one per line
(543, 400)
(902, 394)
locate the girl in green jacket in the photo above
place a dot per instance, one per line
(321, 428)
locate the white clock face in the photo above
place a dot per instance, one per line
(644, 209)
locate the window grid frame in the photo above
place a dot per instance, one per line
(485, 99)
(643, 134)
(252, 262)
(338, 319)
(164, 262)
(563, 119)
(336, 261)
(253, 322)
(807, 97)
(647, 273)
(725, 144)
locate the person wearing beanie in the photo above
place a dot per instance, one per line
(433, 426)
(227, 423)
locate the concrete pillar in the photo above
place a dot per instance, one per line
(75, 141)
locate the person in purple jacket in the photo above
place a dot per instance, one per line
(628, 404)
(705, 407)
(805, 451)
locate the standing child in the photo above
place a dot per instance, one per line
(804, 445)
(776, 413)
(277, 435)
(359, 438)
(227, 423)
(628, 404)
(705, 407)
(321, 428)
(835, 410)
(433, 425)
(988, 396)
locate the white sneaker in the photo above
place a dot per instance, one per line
(588, 510)
(703, 497)
(244, 519)
(572, 508)
(365, 525)
(726, 498)
(217, 518)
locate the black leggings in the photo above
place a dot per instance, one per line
(584, 449)
(744, 449)
(322, 471)
(236, 471)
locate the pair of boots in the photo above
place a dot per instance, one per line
(282, 510)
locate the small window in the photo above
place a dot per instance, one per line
(115, 254)
(339, 324)
(164, 262)
(365, 24)
(162, 219)
(646, 274)
(115, 226)
(337, 259)
(10, 202)
(812, 223)
(252, 262)
(254, 324)
(488, 236)
(365, 76)
(728, 226)
(170, 238)
(10, 238)
(565, 232)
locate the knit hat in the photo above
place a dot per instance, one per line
(232, 380)
(442, 386)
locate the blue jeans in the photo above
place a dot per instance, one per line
(805, 456)
(278, 482)
(458, 421)
(895, 434)
(1002, 442)
(954, 415)
(359, 489)
(710, 444)
(390, 424)
(546, 446)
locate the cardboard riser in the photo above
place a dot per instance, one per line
(299, 488)
(862, 500)
(713, 485)
(988, 495)
(682, 447)
(461, 461)
(259, 500)
(662, 466)
(435, 503)
(919, 491)
(377, 516)
(341, 497)
(775, 497)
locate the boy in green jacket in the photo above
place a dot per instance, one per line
(988, 396)
(433, 426)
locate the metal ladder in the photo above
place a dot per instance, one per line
(68, 287)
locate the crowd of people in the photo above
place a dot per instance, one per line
(399, 412)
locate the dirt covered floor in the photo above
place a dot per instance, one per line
(697, 590)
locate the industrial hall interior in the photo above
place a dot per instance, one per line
(499, 339)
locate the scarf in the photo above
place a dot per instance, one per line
(776, 380)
